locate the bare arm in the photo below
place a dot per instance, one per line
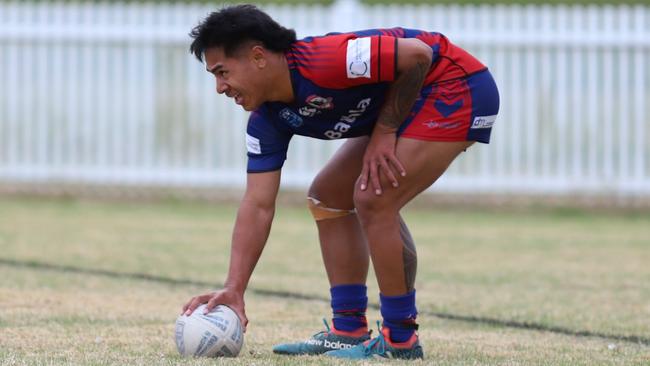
(252, 227)
(249, 237)
(413, 62)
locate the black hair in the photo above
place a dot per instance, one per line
(231, 26)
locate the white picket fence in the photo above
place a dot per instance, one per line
(106, 93)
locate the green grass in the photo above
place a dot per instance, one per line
(571, 271)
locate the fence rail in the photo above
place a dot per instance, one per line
(106, 93)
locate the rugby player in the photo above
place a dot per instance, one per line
(407, 101)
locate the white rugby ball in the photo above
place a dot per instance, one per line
(216, 334)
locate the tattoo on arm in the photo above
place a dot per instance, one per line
(402, 95)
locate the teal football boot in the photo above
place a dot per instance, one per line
(322, 342)
(381, 347)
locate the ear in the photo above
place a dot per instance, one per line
(258, 56)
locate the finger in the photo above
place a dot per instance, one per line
(211, 304)
(196, 301)
(374, 178)
(388, 172)
(363, 178)
(187, 305)
(395, 169)
(190, 308)
(242, 318)
(400, 168)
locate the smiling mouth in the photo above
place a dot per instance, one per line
(238, 98)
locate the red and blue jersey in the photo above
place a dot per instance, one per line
(340, 83)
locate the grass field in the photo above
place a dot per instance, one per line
(102, 283)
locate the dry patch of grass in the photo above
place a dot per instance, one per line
(581, 272)
(105, 321)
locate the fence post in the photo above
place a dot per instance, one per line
(344, 13)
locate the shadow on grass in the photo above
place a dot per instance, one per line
(298, 296)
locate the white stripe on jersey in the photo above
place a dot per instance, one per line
(253, 145)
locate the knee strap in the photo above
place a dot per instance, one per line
(321, 212)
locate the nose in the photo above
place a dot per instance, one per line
(221, 87)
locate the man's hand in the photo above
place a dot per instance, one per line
(234, 299)
(413, 63)
(380, 156)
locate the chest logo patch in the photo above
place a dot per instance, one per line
(291, 118)
(315, 104)
(319, 102)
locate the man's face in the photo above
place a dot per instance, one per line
(240, 75)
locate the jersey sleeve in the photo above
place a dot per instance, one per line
(266, 144)
(345, 60)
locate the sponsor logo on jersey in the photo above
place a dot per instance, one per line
(484, 121)
(315, 103)
(358, 58)
(442, 125)
(358, 69)
(346, 121)
(319, 102)
(308, 111)
(292, 119)
(253, 145)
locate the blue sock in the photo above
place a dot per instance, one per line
(349, 303)
(399, 314)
